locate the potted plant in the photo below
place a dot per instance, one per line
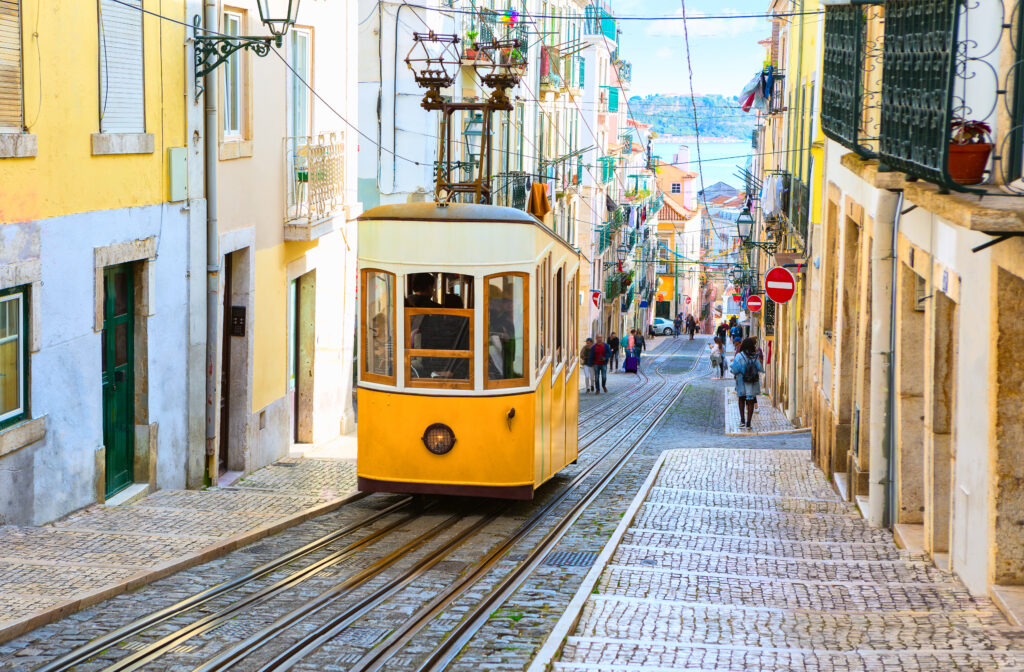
(471, 51)
(968, 150)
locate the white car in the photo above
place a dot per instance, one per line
(663, 326)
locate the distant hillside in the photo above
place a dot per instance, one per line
(718, 116)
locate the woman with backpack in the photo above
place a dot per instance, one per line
(747, 369)
(718, 357)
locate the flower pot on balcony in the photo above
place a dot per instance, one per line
(967, 162)
(470, 54)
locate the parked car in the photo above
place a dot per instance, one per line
(663, 326)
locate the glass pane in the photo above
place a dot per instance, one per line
(438, 369)
(300, 93)
(232, 79)
(120, 344)
(506, 310)
(120, 293)
(10, 360)
(439, 290)
(380, 320)
(439, 332)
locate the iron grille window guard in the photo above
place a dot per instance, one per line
(799, 202)
(509, 189)
(842, 80)
(769, 316)
(777, 102)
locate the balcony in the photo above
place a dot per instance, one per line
(625, 72)
(315, 171)
(851, 77)
(799, 207)
(607, 168)
(777, 102)
(598, 21)
(509, 189)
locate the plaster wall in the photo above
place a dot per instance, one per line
(56, 475)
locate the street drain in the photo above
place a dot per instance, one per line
(571, 559)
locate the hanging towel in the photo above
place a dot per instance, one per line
(539, 204)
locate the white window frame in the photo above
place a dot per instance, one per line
(19, 295)
(295, 86)
(233, 106)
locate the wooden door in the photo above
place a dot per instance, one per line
(118, 377)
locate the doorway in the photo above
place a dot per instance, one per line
(118, 378)
(234, 376)
(301, 347)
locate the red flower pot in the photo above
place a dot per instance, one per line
(967, 162)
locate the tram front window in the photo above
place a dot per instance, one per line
(506, 330)
(439, 326)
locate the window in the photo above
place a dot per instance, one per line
(677, 187)
(439, 330)
(13, 355)
(542, 322)
(10, 66)
(572, 301)
(507, 330)
(378, 327)
(122, 105)
(559, 322)
(232, 78)
(300, 123)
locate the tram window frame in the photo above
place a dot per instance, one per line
(441, 279)
(558, 301)
(524, 381)
(542, 315)
(365, 373)
(572, 301)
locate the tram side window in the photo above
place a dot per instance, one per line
(572, 300)
(542, 322)
(379, 326)
(559, 316)
(439, 327)
(506, 330)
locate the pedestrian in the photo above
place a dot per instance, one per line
(601, 354)
(722, 333)
(747, 371)
(613, 343)
(691, 326)
(678, 323)
(736, 334)
(640, 346)
(718, 358)
(587, 362)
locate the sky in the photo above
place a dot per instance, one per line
(725, 52)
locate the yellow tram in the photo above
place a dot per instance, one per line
(468, 374)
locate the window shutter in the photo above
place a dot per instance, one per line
(121, 79)
(10, 66)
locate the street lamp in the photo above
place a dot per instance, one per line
(744, 224)
(213, 49)
(622, 253)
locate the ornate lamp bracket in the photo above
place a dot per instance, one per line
(769, 246)
(213, 50)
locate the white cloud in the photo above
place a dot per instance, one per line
(697, 27)
(665, 53)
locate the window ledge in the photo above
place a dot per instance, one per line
(122, 143)
(867, 170)
(994, 213)
(23, 434)
(17, 145)
(234, 149)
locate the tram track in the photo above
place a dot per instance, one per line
(641, 379)
(229, 657)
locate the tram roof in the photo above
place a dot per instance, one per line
(454, 212)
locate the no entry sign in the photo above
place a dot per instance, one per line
(754, 303)
(779, 285)
(687, 300)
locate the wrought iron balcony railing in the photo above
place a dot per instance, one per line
(625, 70)
(509, 189)
(851, 77)
(598, 21)
(315, 170)
(777, 101)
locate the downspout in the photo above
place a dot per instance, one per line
(882, 466)
(212, 254)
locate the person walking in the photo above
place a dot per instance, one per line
(601, 354)
(641, 345)
(613, 343)
(678, 323)
(736, 334)
(722, 333)
(718, 358)
(747, 370)
(587, 362)
(691, 326)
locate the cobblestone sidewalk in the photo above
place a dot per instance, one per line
(735, 559)
(767, 420)
(51, 571)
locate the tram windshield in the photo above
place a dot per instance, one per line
(439, 327)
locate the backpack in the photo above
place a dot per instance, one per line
(750, 372)
(736, 332)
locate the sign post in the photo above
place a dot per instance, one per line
(779, 284)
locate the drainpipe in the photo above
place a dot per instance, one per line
(212, 252)
(883, 331)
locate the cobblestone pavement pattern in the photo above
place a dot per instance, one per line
(101, 551)
(767, 419)
(743, 559)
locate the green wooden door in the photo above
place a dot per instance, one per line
(118, 377)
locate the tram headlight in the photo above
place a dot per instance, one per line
(439, 438)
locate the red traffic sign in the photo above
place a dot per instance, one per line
(687, 300)
(779, 285)
(754, 303)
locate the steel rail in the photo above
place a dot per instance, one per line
(629, 390)
(114, 637)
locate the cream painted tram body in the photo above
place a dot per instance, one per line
(468, 359)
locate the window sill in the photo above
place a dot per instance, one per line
(105, 144)
(234, 149)
(23, 434)
(17, 145)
